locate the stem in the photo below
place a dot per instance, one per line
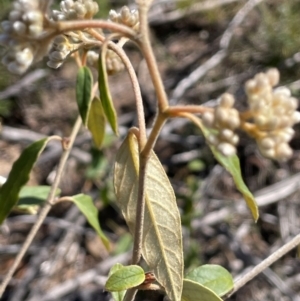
(130, 294)
(158, 124)
(140, 213)
(266, 263)
(64, 26)
(134, 81)
(174, 111)
(48, 205)
(148, 54)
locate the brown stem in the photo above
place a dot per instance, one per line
(175, 111)
(64, 26)
(145, 45)
(48, 205)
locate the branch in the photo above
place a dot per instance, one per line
(266, 263)
(50, 202)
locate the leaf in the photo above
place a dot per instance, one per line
(18, 177)
(86, 205)
(117, 296)
(125, 278)
(214, 277)
(34, 195)
(31, 197)
(84, 84)
(193, 291)
(96, 122)
(162, 239)
(105, 96)
(232, 165)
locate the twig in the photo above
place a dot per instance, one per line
(266, 263)
(46, 208)
(216, 59)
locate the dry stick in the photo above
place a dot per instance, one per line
(216, 59)
(266, 263)
(46, 208)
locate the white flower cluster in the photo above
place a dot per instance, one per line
(222, 123)
(113, 62)
(274, 113)
(125, 16)
(25, 23)
(75, 10)
(62, 46)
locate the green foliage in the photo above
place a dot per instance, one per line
(214, 277)
(86, 206)
(232, 165)
(84, 84)
(96, 122)
(124, 278)
(105, 95)
(119, 295)
(18, 177)
(193, 291)
(32, 197)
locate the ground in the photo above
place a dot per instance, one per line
(67, 261)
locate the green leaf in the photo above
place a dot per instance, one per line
(84, 85)
(125, 278)
(193, 291)
(86, 205)
(105, 96)
(214, 277)
(96, 122)
(31, 197)
(117, 296)
(162, 241)
(232, 165)
(34, 195)
(18, 177)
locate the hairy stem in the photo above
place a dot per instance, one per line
(158, 124)
(140, 212)
(48, 205)
(147, 50)
(174, 111)
(65, 26)
(266, 263)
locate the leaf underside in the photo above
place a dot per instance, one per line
(96, 122)
(162, 238)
